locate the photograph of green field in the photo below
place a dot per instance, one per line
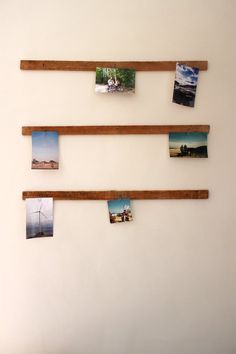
(111, 80)
(188, 144)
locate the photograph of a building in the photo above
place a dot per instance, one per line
(45, 150)
(119, 210)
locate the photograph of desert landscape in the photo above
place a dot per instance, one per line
(188, 144)
(185, 85)
(45, 150)
(119, 210)
(39, 217)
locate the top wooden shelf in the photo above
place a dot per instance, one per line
(92, 65)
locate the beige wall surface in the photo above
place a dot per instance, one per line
(164, 283)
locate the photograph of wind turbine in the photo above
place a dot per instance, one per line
(39, 217)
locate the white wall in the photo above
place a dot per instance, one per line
(165, 282)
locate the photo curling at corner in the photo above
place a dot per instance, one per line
(188, 145)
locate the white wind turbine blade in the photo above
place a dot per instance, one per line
(44, 215)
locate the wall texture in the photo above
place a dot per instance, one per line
(164, 283)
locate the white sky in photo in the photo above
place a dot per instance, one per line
(33, 205)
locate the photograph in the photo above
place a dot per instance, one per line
(188, 144)
(119, 210)
(185, 85)
(45, 150)
(39, 217)
(111, 80)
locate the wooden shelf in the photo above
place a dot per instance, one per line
(118, 129)
(92, 65)
(108, 195)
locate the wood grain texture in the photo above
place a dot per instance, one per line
(91, 65)
(117, 129)
(108, 195)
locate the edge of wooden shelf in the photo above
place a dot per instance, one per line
(108, 195)
(92, 65)
(118, 129)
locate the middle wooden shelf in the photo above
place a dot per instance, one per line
(107, 195)
(117, 129)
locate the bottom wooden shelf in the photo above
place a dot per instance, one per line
(108, 195)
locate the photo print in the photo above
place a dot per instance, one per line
(39, 217)
(188, 144)
(119, 210)
(111, 80)
(45, 150)
(185, 85)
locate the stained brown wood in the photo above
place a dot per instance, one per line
(117, 129)
(91, 65)
(108, 195)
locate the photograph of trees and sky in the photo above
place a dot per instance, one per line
(113, 80)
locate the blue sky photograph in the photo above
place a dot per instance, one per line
(45, 146)
(118, 205)
(190, 139)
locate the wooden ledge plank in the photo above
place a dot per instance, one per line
(118, 129)
(91, 65)
(108, 195)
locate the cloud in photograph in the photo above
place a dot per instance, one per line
(186, 75)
